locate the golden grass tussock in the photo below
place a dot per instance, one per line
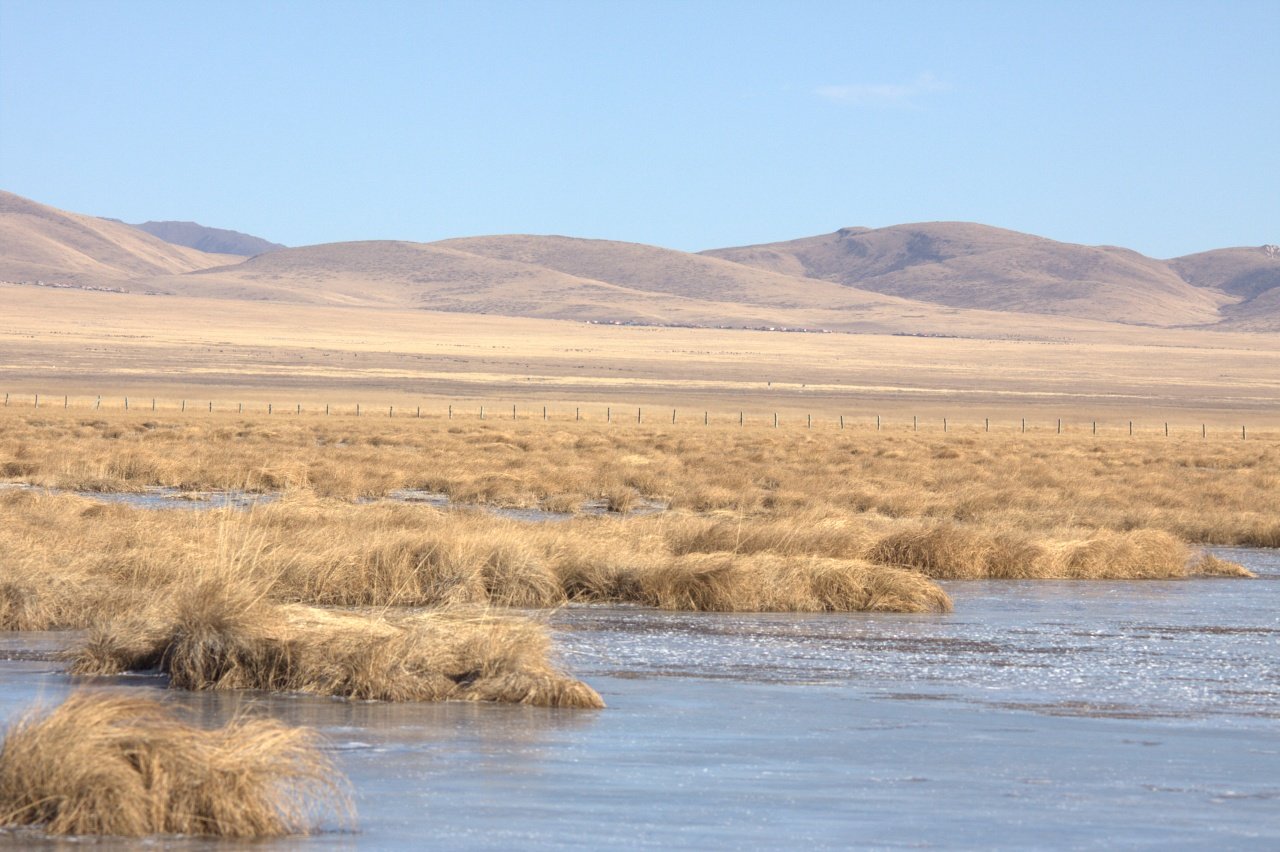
(223, 634)
(125, 765)
(764, 582)
(955, 552)
(1208, 565)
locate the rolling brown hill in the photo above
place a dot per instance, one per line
(931, 279)
(40, 243)
(530, 276)
(650, 269)
(966, 265)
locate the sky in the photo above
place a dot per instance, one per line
(691, 125)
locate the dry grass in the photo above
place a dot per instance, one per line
(723, 582)
(124, 765)
(1212, 492)
(222, 633)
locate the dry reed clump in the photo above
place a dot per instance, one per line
(122, 765)
(728, 582)
(220, 635)
(1208, 565)
(949, 551)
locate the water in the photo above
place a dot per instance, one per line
(1080, 715)
(163, 497)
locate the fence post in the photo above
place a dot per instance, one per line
(1024, 424)
(98, 404)
(326, 409)
(513, 412)
(153, 403)
(357, 409)
(841, 421)
(210, 406)
(544, 412)
(418, 414)
(608, 414)
(1130, 428)
(1095, 427)
(577, 414)
(391, 411)
(915, 427)
(775, 420)
(1242, 433)
(37, 401)
(637, 415)
(6, 400)
(810, 416)
(673, 417)
(239, 408)
(66, 401)
(482, 412)
(1166, 428)
(269, 407)
(1059, 425)
(740, 420)
(877, 422)
(944, 424)
(126, 403)
(706, 418)
(450, 412)
(184, 405)
(1204, 432)
(299, 411)
(986, 425)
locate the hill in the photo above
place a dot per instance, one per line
(966, 265)
(531, 276)
(39, 243)
(942, 278)
(206, 239)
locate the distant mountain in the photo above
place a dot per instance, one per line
(932, 278)
(46, 244)
(966, 265)
(212, 240)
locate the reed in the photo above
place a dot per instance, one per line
(223, 633)
(125, 765)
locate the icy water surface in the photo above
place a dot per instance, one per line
(1081, 715)
(161, 497)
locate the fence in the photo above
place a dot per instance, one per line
(610, 414)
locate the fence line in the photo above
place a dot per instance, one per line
(451, 411)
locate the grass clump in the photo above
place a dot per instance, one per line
(764, 582)
(124, 765)
(217, 635)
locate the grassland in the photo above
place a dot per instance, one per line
(757, 519)
(335, 587)
(87, 344)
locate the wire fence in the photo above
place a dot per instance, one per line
(651, 415)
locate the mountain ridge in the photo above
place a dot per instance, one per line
(926, 278)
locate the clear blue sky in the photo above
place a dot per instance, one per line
(690, 125)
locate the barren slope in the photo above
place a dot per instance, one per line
(652, 269)
(655, 286)
(975, 266)
(1251, 274)
(43, 243)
